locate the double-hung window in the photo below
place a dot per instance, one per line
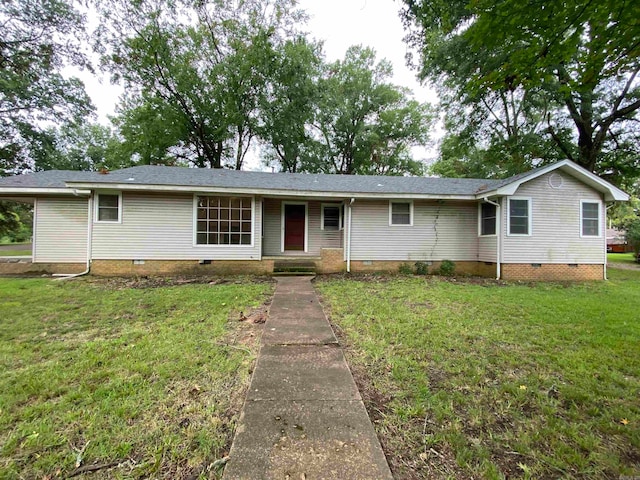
(331, 217)
(108, 207)
(519, 216)
(223, 220)
(401, 213)
(487, 219)
(589, 219)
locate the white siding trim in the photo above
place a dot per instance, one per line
(195, 224)
(96, 215)
(334, 205)
(530, 201)
(35, 230)
(582, 202)
(306, 224)
(391, 224)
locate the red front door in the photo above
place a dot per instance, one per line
(294, 222)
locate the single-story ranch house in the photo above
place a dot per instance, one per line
(546, 224)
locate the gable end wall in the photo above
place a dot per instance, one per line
(555, 225)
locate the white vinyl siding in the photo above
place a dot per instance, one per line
(318, 238)
(161, 227)
(441, 231)
(487, 248)
(555, 224)
(61, 230)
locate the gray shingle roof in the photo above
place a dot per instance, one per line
(46, 179)
(192, 177)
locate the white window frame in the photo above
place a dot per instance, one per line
(306, 225)
(218, 246)
(96, 209)
(599, 203)
(529, 213)
(495, 234)
(331, 205)
(410, 224)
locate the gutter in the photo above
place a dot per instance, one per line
(498, 236)
(349, 235)
(66, 276)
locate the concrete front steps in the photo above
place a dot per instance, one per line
(294, 267)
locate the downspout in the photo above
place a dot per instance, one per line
(349, 235)
(606, 209)
(498, 236)
(65, 276)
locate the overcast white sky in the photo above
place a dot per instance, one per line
(340, 24)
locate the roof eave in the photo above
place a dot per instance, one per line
(31, 191)
(264, 191)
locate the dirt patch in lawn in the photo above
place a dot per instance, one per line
(120, 283)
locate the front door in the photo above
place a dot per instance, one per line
(294, 222)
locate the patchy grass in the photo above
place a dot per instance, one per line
(480, 379)
(621, 258)
(152, 378)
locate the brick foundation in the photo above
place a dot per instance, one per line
(393, 266)
(28, 268)
(332, 261)
(111, 268)
(551, 272)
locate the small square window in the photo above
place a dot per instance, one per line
(331, 217)
(401, 213)
(108, 209)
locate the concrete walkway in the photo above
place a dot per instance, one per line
(303, 418)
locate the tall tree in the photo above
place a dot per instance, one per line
(38, 39)
(193, 70)
(581, 57)
(364, 124)
(289, 105)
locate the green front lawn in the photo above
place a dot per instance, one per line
(478, 379)
(15, 253)
(106, 372)
(621, 258)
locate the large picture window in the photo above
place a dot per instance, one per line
(487, 219)
(519, 216)
(590, 219)
(223, 220)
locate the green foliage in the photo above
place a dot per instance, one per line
(633, 235)
(82, 147)
(537, 81)
(16, 221)
(38, 39)
(447, 268)
(289, 105)
(195, 74)
(422, 268)
(405, 269)
(364, 124)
